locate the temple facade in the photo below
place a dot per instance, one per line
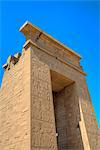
(44, 99)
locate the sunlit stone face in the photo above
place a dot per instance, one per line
(44, 100)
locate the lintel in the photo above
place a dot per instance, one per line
(28, 28)
(29, 42)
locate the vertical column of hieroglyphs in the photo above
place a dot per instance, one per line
(42, 113)
(14, 107)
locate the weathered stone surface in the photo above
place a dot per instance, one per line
(15, 106)
(44, 99)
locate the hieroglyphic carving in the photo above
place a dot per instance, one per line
(43, 122)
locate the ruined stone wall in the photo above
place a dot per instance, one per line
(43, 134)
(15, 106)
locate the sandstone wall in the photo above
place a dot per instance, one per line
(88, 114)
(43, 134)
(15, 106)
(26, 104)
(98, 140)
(67, 119)
(81, 88)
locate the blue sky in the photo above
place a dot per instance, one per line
(74, 23)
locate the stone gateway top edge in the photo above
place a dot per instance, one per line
(43, 41)
(27, 27)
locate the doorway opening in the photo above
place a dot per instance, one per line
(62, 89)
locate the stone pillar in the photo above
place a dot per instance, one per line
(43, 134)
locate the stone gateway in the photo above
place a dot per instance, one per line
(44, 99)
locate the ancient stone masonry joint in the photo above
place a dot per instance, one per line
(44, 99)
